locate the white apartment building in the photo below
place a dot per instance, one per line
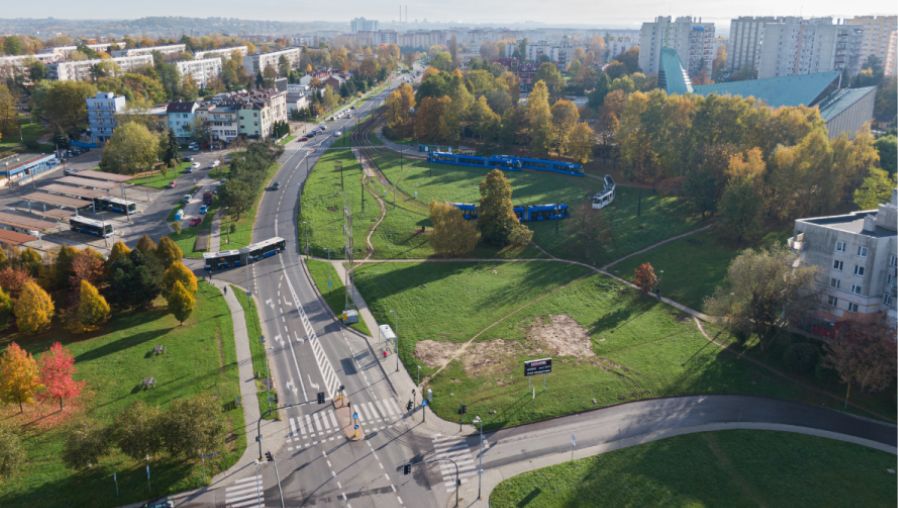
(81, 70)
(559, 53)
(617, 44)
(223, 53)
(692, 39)
(168, 49)
(855, 255)
(891, 61)
(807, 46)
(201, 71)
(17, 65)
(66, 51)
(255, 64)
(878, 32)
(101, 111)
(423, 39)
(363, 25)
(220, 121)
(250, 114)
(744, 44)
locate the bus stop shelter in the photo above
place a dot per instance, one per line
(87, 182)
(103, 176)
(26, 224)
(14, 238)
(76, 192)
(54, 200)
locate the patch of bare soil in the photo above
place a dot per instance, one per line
(477, 359)
(560, 335)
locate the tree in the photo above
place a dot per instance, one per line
(580, 143)
(194, 426)
(876, 189)
(484, 122)
(146, 245)
(178, 272)
(180, 302)
(434, 120)
(399, 105)
(549, 74)
(887, 146)
(30, 261)
(12, 451)
(92, 308)
(19, 377)
(119, 250)
(539, 117)
(863, 354)
(87, 265)
(741, 206)
(497, 219)
(452, 235)
(61, 270)
(33, 309)
(5, 307)
(13, 280)
(885, 105)
(132, 148)
(171, 155)
(62, 104)
(592, 231)
(763, 293)
(135, 280)
(565, 117)
(9, 114)
(138, 430)
(86, 442)
(168, 252)
(644, 277)
(57, 368)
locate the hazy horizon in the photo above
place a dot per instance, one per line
(560, 12)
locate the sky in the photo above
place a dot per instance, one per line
(555, 12)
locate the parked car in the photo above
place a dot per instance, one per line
(275, 186)
(162, 502)
(171, 184)
(195, 165)
(204, 209)
(194, 222)
(207, 198)
(304, 138)
(186, 198)
(216, 163)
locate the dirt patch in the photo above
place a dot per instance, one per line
(478, 358)
(560, 335)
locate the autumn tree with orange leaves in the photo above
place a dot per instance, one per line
(19, 377)
(57, 367)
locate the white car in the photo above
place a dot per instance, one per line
(195, 165)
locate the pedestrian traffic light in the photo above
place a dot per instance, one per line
(408, 407)
(407, 469)
(269, 457)
(321, 397)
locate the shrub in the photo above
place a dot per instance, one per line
(801, 357)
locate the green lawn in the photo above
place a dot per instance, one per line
(243, 230)
(286, 139)
(728, 468)
(186, 239)
(642, 348)
(160, 180)
(257, 349)
(28, 141)
(199, 358)
(332, 289)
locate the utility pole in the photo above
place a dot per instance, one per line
(347, 233)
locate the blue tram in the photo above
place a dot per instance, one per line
(506, 163)
(525, 213)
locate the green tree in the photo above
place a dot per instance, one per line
(135, 280)
(452, 235)
(6, 306)
(119, 250)
(93, 310)
(86, 442)
(549, 74)
(592, 230)
(399, 105)
(434, 120)
(565, 116)
(180, 301)
(62, 104)
(132, 148)
(138, 430)
(194, 426)
(19, 376)
(9, 114)
(875, 190)
(539, 117)
(580, 143)
(740, 211)
(61, 271)
(885, 106)
(168, 252)
(497, 220)
(484, 122)
(33, 309)
(12, 451)
(887, 146)
(172, 153)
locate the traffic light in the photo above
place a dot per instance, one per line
(269, 457)
(321, 397)
(406, 469)
(408, 407)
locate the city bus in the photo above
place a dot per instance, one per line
(117, 205)
(90, 226)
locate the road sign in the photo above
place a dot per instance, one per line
(355, 416)
(356, 426)
(537, 367)
(424, 402)
(573, 440)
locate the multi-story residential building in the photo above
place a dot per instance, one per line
(255, 64)
(168, 49)
(560, 53)
(201, 71)
(891, 61)
(101, 115)
(363, 25)
(80, 70)
(423, 39)
(878, 31)
(297, 97)
(220, 121)
(806, 46)
(18, 65)
(365, 38)
(744, 44)
(181, 117)
(617, 44)
(692, 39)
(223, 53)
(66, 51)
(256, 111)
(855, 255)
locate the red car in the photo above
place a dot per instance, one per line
(303, 139)
(196, 221)
(171, 185)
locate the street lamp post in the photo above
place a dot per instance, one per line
(477, 420)
(396, 341)
(419, 374)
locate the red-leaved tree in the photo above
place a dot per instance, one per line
(57, 369)
(644, 277)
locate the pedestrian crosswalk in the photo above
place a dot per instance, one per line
(455, 450)
(245, 493)
(321, 426)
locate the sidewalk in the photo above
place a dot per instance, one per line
(400, 379)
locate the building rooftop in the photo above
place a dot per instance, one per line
(180, 107)
(838, 102)
(851, 223)
(803, 89)
(672, 75)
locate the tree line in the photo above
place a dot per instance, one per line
(245, 177)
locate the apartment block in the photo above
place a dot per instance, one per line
(744, 44)
(807, 46)
(223, 53)
(101, 115)
(220, 121)
(255, 64)
(617, 44)
(168, 49)
(891, 61)
(692, 39)
(363, 25)
(202, 71)
(855, 255)
(181, 117)
(80, 70)
(256, 111)
(878, 34)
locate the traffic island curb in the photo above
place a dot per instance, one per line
(351, 427)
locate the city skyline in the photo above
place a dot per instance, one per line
(629, 15)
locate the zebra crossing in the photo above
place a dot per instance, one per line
(457, 450)
(245, 493)
(322, 426)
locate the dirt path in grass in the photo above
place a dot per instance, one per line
(370, 173)
(656, 245)
(748, 490)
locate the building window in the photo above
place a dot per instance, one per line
(862, 251)
(892, 260)
(840, 246)
(832, 301)
(856, 289)
(887, 298)
(858, 270)
(837, 265)
(834, 282)
(852, 307)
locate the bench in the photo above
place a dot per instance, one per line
(149, 382)
(158, 350)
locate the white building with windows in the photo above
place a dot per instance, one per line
(80, 70)
(878, 33)
(856, 257)
(223, 53)
(168, 49)
(203, 71)
(101, 115)
(255, 64)
(692, 39)
(808, 46)
(181, 117)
